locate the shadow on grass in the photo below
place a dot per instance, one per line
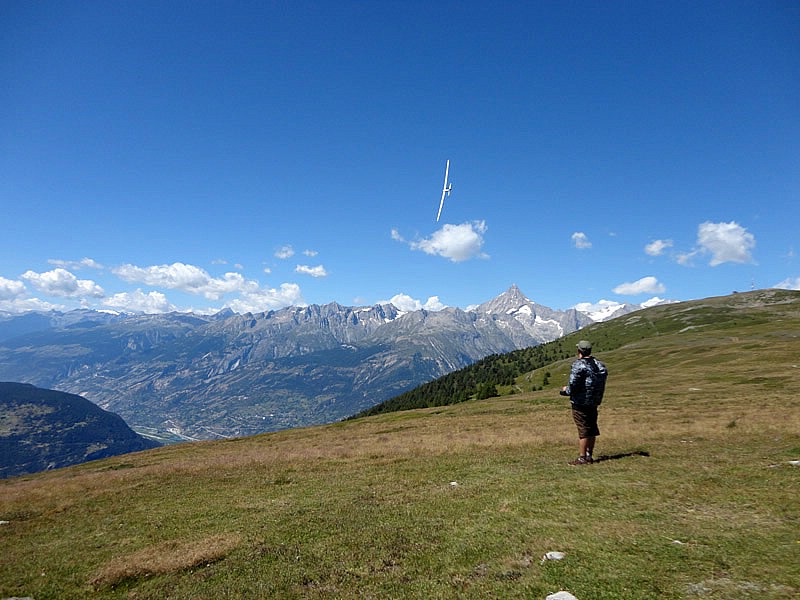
(618, 456)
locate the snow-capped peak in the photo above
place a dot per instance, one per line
(604, 310)
(654, 301)
(599, 311)
(508, 302)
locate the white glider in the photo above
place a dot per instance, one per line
(445, 190)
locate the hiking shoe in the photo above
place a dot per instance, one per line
(581, 460)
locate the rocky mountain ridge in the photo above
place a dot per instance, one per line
(200, 377)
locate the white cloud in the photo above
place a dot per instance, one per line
(657, 247)
(403, 302)
(645, 285)
(262, 300)
(685, 258)
(790, 283)
(60, 282)
(455, 242)
(318, 271)
(21, 305)
(76, 264)
(188, 278)
(580, 240)
(433, 303)
(727, 242)
(11, 289)
(138, 301)
(396, 236)
(310, 253)
(284, 252)
(13, 300)
(406, 303)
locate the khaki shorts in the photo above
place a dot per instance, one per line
(585, 418)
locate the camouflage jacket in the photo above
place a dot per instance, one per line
(587, 382)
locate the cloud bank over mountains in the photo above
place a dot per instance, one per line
(62, 283)
(60, 288)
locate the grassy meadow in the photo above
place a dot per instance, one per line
(695, 496)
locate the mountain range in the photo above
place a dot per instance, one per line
(186, 376)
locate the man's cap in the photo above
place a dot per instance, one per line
(584, 346)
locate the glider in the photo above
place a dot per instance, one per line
(445, 190)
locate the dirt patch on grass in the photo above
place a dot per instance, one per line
(729, 588)
(167, 557)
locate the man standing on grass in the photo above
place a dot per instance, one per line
(587, 382)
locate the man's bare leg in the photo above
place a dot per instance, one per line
(586, 446)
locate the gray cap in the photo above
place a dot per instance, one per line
(584, 346)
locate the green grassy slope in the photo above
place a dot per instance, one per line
(501, 372)
(697, 496)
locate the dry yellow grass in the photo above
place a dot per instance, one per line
(165, 557)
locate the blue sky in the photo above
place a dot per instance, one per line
(194, 155)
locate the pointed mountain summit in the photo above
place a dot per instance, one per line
(528, 323)
(510, 301)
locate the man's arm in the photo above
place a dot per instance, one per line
(574, 376)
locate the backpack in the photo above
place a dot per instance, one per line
(596, 384)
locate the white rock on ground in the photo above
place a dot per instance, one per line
(553, 556)
(561, 596)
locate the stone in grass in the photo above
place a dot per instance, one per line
(553, 556)
(561, 596)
